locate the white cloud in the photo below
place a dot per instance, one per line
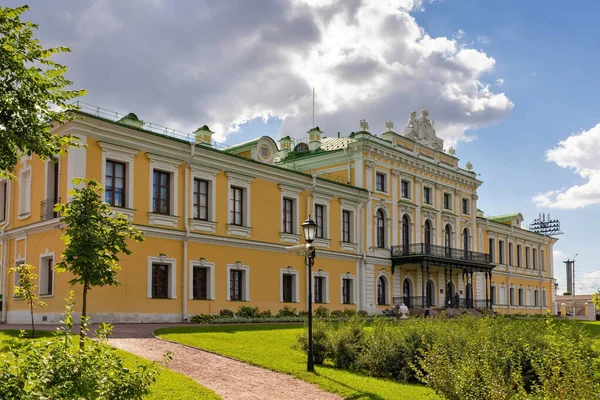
(483, 39)
(581, 153)
(459, 34)
(499, 81)
(589, 284)
(225, 63)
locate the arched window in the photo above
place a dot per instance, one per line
(380, 229)
(381, 291)
(406, 293)
(448, 236)
(430, 293)
(427, 236)
(466, 246)
(469, 295)
(405, 234)
(450, 295)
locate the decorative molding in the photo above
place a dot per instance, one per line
(163, 219)
(396, 172)
(322, 242)
(369, 164)
(203, 226)
(289, 237)
(239, 230)
(345, 246)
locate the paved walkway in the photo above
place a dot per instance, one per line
(229, 378)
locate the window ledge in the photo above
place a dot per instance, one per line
(385, 192)
(163, 219)
(24, 216)
(239, 230)
(347, 246)
(381, 252)
(202, 225)
(322, 242)
(129, 212)
(42, 296)
(161, 298)
(289, 237)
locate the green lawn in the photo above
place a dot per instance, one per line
(168, 385)
(269, 346)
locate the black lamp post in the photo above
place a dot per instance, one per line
(310, 229)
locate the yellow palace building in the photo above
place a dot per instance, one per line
(397, 223)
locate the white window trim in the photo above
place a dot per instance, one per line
(383, 251)
(126, 156)
(468, 206)
(388, 289)
(246, 276)
(24, 194)
(386, 181)
(244, 182)
(410, 188)
(172, 275)
(496, 302)
(323, 200)
(352, 294)
(351, 207)
(325, 275)
(296, 288)
(46, 256)
(211, 278)
(293, 193)
(544, 303)
(15, 275)
(445, 192)
(529, 296)
(431, 194)
(171, 166)
(503, 298)
(209, 175)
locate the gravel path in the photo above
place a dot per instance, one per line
(229, 378)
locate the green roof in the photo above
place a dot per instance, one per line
(506, 217)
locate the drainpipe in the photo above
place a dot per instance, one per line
(187, 228)
(4, 265)
(361, 243)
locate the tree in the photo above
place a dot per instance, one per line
(94, 238)
(33, 93)
(27, 289)
(596, 299)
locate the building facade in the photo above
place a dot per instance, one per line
(397, 223)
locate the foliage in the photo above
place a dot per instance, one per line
(362, 313)
(55, 368)
(346, 343)
(266, 314)
(202, 319)
(225, 313)
(248, 312)
(336, 314)
(94, 238)
(32, 92)
(596, 299)
(321, 312)
(350, 312)
(27, 289)
(287, 311)
(321, 341)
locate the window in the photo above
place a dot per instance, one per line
(534, 258)
(201, 199)
(381, 291)
(536, 298)
(447, 201)
(265, 152)
(160, 281)
(346, 226)
(347, 291)
(3, 197)
(510, 253)
(161, 192)
(320, 220)
(542, 260)
(521, 300)
(289, 286)
(466, 207)
(200, 283)
(114, 183)
(25, 193)
(380, 182)
(288, 215)
(17, 276)
(501, 251)
(380, 229)
(519, 256)
(427, 196)
(237, 206)
(512, 296)
(405, 189)
(319, 289)
(493, 295)
(46, 276)
(236, 281)
(527, 257)
(544, 297)
(491, 248)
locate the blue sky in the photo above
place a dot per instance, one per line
(505, 81)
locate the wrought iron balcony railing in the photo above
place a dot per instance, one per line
(47, 208)
(423, 302)
(424, 249)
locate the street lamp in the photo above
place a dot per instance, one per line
(310, 229)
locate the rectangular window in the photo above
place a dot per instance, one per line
(491, 248)
(501, 251)
(288, 215)
(405, 189)
(319, 289)
(237, 206)
(427, 199)
(543, 297)
(519, 256)
(235, 284)
(466, 206)
(510, 253)
(493, 295)
(542, 260)
(536, 298)
(25, 193)
(534, 258)
(447, 201)
(114, 183)
(526, 257)
(3, 196)
(346, 226)
(511, 298)
(320, 220)
(160, 281)
(521, 300)
(347, 290)
(46, 276)
(200, 283)
(161, 192)
(380, 182)
(201, 199)
(288, 288)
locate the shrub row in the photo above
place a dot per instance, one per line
(466, 357)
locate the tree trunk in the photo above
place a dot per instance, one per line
(83, 320)
(32, 323)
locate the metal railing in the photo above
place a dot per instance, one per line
(47, 208)
(422, 302)
(417, 249)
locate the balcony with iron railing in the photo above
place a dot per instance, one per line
(47, 208)
(440, 252)
(424, 302)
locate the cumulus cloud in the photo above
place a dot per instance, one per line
(590, 283)
(499, 81)
(579, 152)
(459, 34)
(188, 63)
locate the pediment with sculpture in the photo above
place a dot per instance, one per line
(421, 131)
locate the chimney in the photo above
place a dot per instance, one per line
(314, 138)
(285, 146)
(204, 135)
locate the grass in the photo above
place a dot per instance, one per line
(169, 384)
(269, 346)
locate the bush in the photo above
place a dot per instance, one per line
(337, 314)
(266, 314)
(303, 314)
(350, 312)
(362, 313)
(321, 342)
(202, 318)
(346, 343)
(248, 312)
(321, 312)
(225, 313)
(287, 311)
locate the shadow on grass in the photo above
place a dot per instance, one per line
(361, 394)
(226, 328)
(6, 334)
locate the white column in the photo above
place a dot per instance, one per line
(369, 222)
(395, 219)
(419, 201)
